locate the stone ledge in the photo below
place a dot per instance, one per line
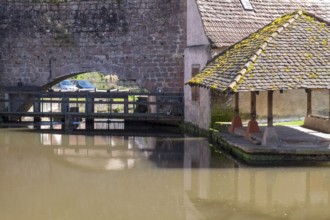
(317, 123)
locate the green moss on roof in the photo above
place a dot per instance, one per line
(259, 57)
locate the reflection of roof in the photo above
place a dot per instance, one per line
(290, 53)
(226, 22)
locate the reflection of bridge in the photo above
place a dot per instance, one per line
(115, 152)
(70, 107)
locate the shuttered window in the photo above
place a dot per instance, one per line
(195, 89)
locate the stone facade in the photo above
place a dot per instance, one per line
(44, 41)
(197, 53)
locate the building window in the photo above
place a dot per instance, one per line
(195, 89)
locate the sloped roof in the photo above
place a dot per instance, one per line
(226, 22)
(292, 52)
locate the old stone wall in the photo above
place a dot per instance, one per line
(45, 40)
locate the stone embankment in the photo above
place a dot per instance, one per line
(296, 145)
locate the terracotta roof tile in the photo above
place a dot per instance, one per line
(226, 22)
(290, 53)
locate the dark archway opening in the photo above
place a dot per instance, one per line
(105, 82)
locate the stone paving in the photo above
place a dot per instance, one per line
(295, 143)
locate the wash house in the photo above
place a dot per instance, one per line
(215, 25)
(290, 53)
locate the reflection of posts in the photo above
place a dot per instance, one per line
(90, 141)
(65, 141)
(196, 155)
(126, 142)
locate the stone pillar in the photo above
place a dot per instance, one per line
(236, 122)
(270, 138)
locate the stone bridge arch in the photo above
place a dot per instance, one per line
(54, 81)
(142, 83)
(44, 41)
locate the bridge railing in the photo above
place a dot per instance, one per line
(93, 104)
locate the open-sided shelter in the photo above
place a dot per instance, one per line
(215, 25)
(292, 52)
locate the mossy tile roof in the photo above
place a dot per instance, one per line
(292, 52)
(226, 22)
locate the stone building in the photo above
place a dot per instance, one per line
(215, 25)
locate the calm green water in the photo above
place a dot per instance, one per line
(54, 176)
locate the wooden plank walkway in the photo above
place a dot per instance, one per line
(70, 106)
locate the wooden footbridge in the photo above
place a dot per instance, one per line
(69, 108)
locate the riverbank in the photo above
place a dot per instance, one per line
(296, 144)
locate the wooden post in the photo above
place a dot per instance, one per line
(236, 122)
(270, 109)
(89, 110)
(309, 101)
(126, 104)
(253, 112)
(253, 126)
(37, 109)
(64, 110)
(329, 102)
(89, 105)
(236, 111)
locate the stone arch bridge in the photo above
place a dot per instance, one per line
(45, 41)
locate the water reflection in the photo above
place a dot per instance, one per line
(52, 176)
(121, 152)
